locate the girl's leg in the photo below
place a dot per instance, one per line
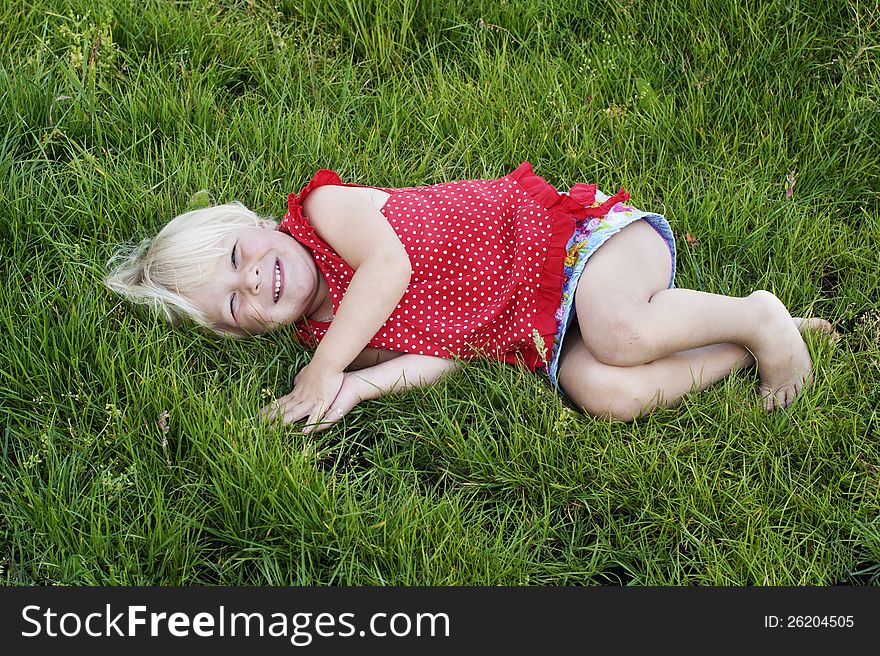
(624, 393)
(628, 317)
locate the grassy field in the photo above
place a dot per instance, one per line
(753, 126)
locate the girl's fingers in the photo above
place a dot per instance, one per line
(290, 416)
(331, 417)
(296, 413)
(272, 410)
(301, 410)
(315, 418)
(291, 409)
(278, 408)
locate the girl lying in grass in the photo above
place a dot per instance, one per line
(396, 287)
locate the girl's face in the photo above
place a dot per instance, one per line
(264, 279)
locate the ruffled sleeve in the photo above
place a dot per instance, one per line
(321, 178)
(295, 223)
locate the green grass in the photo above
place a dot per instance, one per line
(114, 115)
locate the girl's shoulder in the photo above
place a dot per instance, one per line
(330, 197)
(327, 190)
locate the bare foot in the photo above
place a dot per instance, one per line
(783, 361)
(815, 324)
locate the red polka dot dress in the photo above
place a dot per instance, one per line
(487, 260)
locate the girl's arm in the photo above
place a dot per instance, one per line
(399, 374)
(356, 229)
(371, 356)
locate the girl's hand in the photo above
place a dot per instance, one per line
(348, 398)
(314, 391)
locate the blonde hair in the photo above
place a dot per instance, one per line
(161, 271)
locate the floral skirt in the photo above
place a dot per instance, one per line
(587, 238)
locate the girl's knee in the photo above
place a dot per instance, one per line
(618, 338)
(624, 406)
(616, 396)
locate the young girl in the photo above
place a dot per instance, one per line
(397, 286)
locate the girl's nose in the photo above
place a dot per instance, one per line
(254, 280)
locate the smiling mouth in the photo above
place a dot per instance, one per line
(277, 294)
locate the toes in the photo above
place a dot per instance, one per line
(815, 324)
(768, 399)
(782, 397)
(823, 327)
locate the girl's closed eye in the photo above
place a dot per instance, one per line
(232, 297)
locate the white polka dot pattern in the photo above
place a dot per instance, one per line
(481, 251)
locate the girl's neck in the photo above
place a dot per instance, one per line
(322, 307)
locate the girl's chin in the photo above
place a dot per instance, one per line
(286, 318)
